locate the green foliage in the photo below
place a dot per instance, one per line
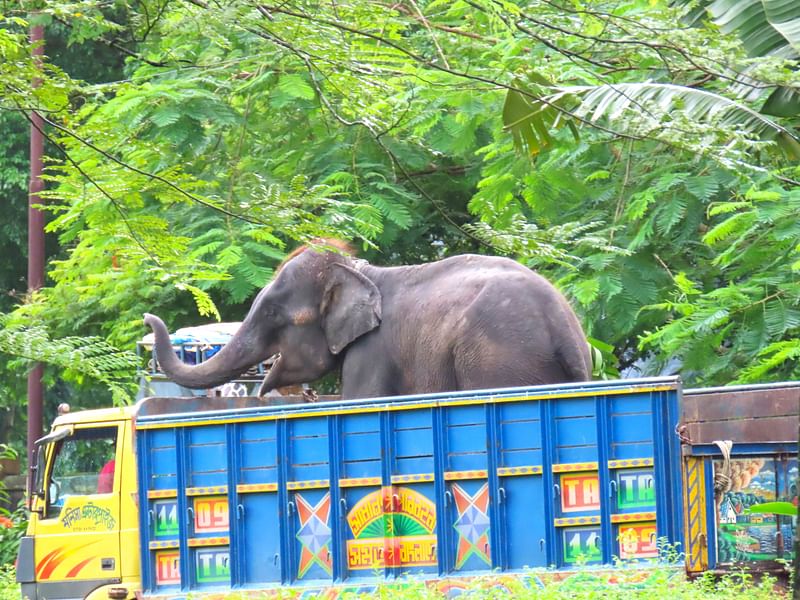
(699, 121)
(12, 528)
(768, 31)
(56, 95)
(745, 328)
(12, 524)
(650, 190)
(18, 69)
(81, 357)
(9, 588)
(653, 582)
(13, 189)
(604, 363)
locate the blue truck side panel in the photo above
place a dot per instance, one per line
(430, 485)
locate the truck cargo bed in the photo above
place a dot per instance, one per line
(347, 493)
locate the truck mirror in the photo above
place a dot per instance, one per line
(39, 466)
(36, 490)
(38, 472)
(54, 492)
(55, 436)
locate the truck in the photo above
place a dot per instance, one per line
(201, 496)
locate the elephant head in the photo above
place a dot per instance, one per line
(317, 304)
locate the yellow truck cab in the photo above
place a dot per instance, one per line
(82, 539)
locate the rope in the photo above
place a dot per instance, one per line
(722, 478)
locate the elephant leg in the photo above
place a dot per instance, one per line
(500, 357)
(368, 374)
(483, 377)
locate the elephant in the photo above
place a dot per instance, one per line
(461, 323)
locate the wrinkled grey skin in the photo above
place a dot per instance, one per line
(467, 322)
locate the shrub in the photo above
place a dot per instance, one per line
(9, 590)
(12, 524)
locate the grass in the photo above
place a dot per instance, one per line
(630, 584)
(660, 583)
(652, 584)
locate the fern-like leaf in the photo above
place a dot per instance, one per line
(731, 226)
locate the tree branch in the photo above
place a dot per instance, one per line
(377, 136)
(91, 180)
(461, 74)
(152, 176)
(446, 28)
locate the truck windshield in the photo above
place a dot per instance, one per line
(83, 465)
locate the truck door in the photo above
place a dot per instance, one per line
(77, 538)
(744, 534)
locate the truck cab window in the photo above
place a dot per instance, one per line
(83, 465)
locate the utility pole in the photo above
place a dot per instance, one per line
(35, 253)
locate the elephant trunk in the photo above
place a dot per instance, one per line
(234, 359)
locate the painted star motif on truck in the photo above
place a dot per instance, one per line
(472, 524)
(314, 534)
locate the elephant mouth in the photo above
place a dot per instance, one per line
(263, 368)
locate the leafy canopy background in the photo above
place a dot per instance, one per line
(642, 155)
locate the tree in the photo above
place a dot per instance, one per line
(79, 358)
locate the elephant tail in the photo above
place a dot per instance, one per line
(575, 354)
(576, 360)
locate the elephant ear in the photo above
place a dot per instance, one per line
(351, 306)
